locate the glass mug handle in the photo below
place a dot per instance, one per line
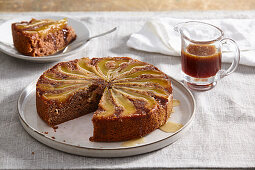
(235, 62)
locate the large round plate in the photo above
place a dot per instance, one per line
(73, 136)
(6, 42)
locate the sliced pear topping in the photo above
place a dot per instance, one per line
(66, 80)
(83, 63)
(50, 87)
(52, 76)
(132, 87)
(160, 81)
(86, 68)
(139, 73)
(102, 67)
(33, 23)
(125, 70)
(128, 106)
(119, 62)
(42, 27)
(150, 101)
(45, 87)
(59, 96)
(66, 70)
(78, 73)
(106, 104)
(108, 65)
(131, 66)
(155, 90)
(63, 95)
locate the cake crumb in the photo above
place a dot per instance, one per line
(33, 153)
(55, 128)
(53, 137)
(46, 132)
(64, 140)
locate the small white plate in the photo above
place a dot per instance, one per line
(7, 47)
(73, 136)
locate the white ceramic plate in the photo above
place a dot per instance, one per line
(73, 136)
(6, 42)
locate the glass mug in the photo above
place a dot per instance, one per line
(201, 53)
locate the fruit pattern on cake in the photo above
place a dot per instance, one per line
(125, 81)
(43, 26)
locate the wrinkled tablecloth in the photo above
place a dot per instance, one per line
(222, 133)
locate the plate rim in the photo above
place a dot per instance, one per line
(49, 58)
(186, 125)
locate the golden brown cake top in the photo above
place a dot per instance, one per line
(42, 26)
(131, 87)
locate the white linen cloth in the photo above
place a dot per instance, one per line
(158, 35)
(222, 132)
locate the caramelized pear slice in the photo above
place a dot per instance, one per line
(154, 89)
(161, 81)
(124, 102)
(87, 68)
(62, 96)
(77, 72)
(50, 87)
(106, 66)
(126, 67)
(33, 23)
(69, 79)
(140, 95)
(106, 104)
(43, 27)
(131, 66)
(139, 73)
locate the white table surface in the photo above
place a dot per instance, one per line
(222, 133)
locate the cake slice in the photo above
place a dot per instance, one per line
(41, 37)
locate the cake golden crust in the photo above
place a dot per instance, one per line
(130, 98)
(29, 40)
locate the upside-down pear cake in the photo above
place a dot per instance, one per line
(129, 98)
(41, 37)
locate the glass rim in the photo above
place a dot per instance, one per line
(202, 42)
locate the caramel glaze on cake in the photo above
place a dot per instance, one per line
(41, 37)
(129, 98)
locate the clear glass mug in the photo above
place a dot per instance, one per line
(201, 54)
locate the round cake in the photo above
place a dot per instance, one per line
(129, 98)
